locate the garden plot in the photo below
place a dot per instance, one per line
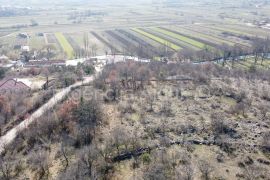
(72, 41)
(106, 42)
(219, 35)
(67, 48)
(146, 47)
(37, 42)
(182, 38)
(229, 36)
(200, 36)
(50, 38)
(170, 39)
(158, 39)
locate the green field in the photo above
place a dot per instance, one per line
(64, 44)
(181, 38)
(158, 39)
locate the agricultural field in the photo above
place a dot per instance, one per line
(65, 44)
(158, 39)
(181, 38)
(248, 64)
(141, 29)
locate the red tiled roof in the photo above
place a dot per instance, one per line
(12, 84)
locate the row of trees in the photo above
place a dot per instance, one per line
(260, 49)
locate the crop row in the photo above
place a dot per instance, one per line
(158, 39)
(64, 44)
(181, 38)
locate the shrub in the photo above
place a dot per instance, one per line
(146, 158)
(2, 73)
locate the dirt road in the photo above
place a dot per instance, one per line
(11, 134)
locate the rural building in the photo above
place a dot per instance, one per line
(25, 48)
(42, 63)
(14, 85)
(23, 35)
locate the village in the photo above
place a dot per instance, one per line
(28, 62)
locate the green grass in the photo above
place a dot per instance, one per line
(36, 42)
(64, 44)
(181, 38)
(157, 39)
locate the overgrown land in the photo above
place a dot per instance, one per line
(152, 121)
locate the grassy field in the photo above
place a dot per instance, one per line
(181, 38)
(158, 39)
(64, 44)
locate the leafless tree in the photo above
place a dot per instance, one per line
(64, 153)
(118, 135)
(5, 167)
(39, 161)
(206, 169)
(86, 44)
(88, 157)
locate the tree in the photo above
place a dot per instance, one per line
(150, 99)
(266, 142)
(5, 168)
(226, 53)
(86, 44)
(39, 161)
(88, 158)
(64, 152)
(50, 51)
(94, 49)
(2, 73)
(156, 171)
(206, 169)
(118, 138)
(89, 115)
(257, 46)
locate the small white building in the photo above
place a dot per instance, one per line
(25, 48)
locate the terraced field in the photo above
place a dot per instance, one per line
(158, 39)
(64, 44)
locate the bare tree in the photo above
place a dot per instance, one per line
(64, 152)
(88, 157)
(5, 167)
(39, 161)
(118, 138)
(206, 169)
(86, 44)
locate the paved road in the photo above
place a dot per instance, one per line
(11, 134)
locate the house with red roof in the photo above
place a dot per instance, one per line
(13, 85)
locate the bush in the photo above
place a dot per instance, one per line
(88, 70)
(146, 158)
(2, 73)
(266, 142)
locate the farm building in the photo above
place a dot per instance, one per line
(23, 35)
(42, 63)
(14, 85)
(22, 84)
(25, 48)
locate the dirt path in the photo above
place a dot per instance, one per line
(11, 134)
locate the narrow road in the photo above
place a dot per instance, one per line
(11, 134)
